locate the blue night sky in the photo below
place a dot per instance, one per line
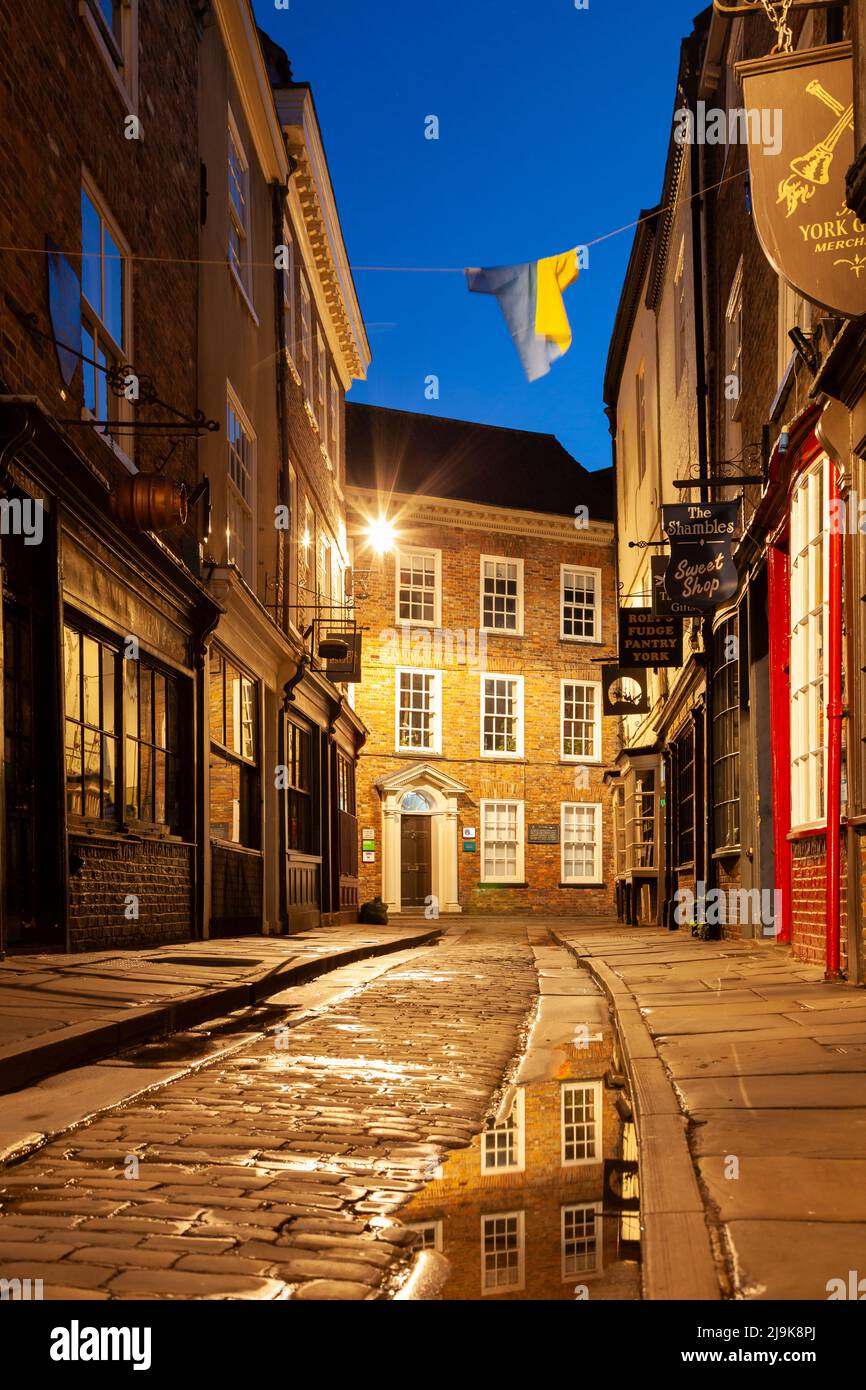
(553, 130)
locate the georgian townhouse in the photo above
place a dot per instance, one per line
(104, 625)
(483, 579)
(281, 339)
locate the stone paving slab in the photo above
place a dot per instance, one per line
(60, 1011)
(766, 1063)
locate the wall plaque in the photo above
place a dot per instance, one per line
(542, 834)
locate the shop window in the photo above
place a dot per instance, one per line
(122, 731)
(301, 835)
(234, 755)
(619, 831)
(808, 561)
(726, 736)
(346, 783)
(640, 818)
(686, 797)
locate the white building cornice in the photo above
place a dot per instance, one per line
(246, 60)
(477, 516)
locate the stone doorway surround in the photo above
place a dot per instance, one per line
(441, 792)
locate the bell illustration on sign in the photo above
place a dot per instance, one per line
(807, 231)
(701, 569)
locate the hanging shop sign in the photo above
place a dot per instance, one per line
(701, 569)
(663, 606)
(808, 233)
(647, 640)
(542, 834)
(623, 691)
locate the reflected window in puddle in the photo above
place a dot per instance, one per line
(544, 1204)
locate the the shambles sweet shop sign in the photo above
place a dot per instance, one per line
(701, 570)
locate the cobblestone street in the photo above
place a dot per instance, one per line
(271, 1172)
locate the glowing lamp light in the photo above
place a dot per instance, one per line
(381, 535)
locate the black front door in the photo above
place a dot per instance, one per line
(30, 748)
(415, 873)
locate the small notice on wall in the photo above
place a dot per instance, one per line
(368, 844)
(542, 834)
(368, 833)
(469, 846)
(368, 856)
(469, 832)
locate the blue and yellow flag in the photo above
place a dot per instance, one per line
(530, 297)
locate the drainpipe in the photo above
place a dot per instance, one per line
(779, 609)
(834, 736)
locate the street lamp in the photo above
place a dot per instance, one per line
(381, 535)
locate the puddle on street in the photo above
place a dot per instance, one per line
(543, 1204)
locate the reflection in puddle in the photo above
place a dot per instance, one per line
(543, 1204)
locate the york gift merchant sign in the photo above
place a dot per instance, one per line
(701, 570)
(648, 640)
(807, 231)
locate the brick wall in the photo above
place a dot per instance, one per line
(809, 900)
(541, 779)
(61, 114)
(104, 871)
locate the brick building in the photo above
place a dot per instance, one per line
(103, 625)
(758, 392)
(177, 332)
(486, 613)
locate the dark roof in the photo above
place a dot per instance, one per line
(400, 451)
(277, 62)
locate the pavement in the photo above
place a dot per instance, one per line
(59, 1011)
(273, 1170)
(748, 1077)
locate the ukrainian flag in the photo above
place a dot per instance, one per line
(530, 297)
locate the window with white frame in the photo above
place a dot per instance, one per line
(430, 1233)
(581, 842)
(581, 721)
(113, 25)
(289, 292)
(680, 315)
(733, 383)
(580, 614)
(239, 207)
(640, 416)
(305, 347)
(419, 702)
(241, 497)
(334, 423)
(502, 1252)
(105, 332)
(502, 841)
(322, 385)
(809, 609)
(419, 586)
(501, 716)
(502, 1147)
(581, 1239)
(581, 1122)
(501, 594)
